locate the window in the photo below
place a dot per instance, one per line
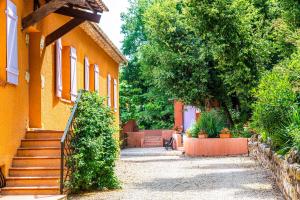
(115, 95)
(58, 68)
(108, 90)
(96, 74)
(73, 74)
(12, 43)
(86, 74)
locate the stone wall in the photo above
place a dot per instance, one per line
(284, 169)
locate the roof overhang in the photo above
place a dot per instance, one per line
(102, 40)
(79, 10)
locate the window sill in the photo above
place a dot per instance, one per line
(66, 101)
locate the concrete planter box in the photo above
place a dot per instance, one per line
(215, 146)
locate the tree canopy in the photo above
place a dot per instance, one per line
(194, 50)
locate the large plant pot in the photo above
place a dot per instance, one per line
(215, 146)
(202, 136)
(225, 135)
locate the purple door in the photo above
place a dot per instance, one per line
(189, 117)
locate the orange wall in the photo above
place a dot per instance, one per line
(85, 46)
(178, 115)
(14, 100)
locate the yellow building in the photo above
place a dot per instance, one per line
(49, 50)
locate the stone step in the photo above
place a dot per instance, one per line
(32, 181)
(152, 145)
(43, 134)
(38, 151)
(34, 190)
(37, 161)
(34, 171)
(48, 142)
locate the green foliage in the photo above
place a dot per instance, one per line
(240, 131)
(211, 122)
(95, 148)
(294, 128)
(276, 111)
(202, 49)
(139, 98)
(194, 50)
(274, 99)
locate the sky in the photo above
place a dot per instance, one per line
(111, 21)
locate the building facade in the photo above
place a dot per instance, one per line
(44, 61)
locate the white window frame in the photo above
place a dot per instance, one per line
(73, 66)
(12, 67)
(115, 95)
(108, 90)
(86, 74)
(96, 77)
(59, 85)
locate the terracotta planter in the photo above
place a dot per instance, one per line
(225, 135)
(202, 136)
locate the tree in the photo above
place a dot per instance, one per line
(139, 99)
(208, 49)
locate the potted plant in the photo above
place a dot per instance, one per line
(225, 133)
(212, 122)
(188, 133)
(202, 134)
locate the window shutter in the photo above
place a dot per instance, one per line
(58, 68)
(73, 74)
(108, 90)
(96, 70)
(115, 95)
(86, 74)
(12, 43)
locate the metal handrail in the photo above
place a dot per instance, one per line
(65, 145)
(2, 179)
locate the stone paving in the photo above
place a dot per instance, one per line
(165, 176)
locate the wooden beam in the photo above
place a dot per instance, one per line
(63, 30)
(71, 12)
(42, 12)
(45, 10)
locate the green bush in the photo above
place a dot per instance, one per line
(273, 108)
(95, 148)
(212, 122)
(195, 129)
(239, 131)
(294, 128)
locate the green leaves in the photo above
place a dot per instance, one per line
(95, 148)
(276, 111)
(140, 99)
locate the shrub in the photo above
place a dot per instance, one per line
(240, 131)
(194, 130)
(211, 122)
(294, 128)
(273, 108)
(95, 148)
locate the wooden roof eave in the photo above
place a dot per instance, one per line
(79, 10)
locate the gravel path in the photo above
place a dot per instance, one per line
(178, 177)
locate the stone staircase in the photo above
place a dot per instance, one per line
(153, 140)
(35, 169)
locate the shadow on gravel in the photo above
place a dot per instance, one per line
(224, 166)
(155, 160)
(245, 183)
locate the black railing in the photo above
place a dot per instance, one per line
(2, 179)
(66, 148)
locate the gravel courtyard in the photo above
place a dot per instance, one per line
(178, 177)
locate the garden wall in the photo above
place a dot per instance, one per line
(285, 171)
(136, 139)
